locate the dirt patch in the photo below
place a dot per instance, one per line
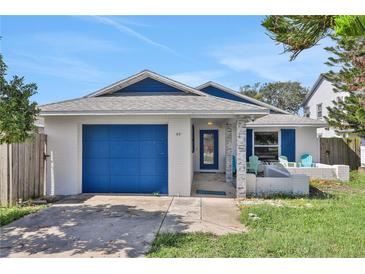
(325, 185)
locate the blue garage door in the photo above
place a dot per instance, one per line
(125, 158)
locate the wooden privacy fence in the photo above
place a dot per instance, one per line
(338, 151)
(22, 170)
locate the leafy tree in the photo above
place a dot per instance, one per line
(349, 114)
(285, 95)
(297, 33)
(17, 112)
(252, 91)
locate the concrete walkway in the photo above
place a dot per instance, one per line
(200, 214)
(114, 225)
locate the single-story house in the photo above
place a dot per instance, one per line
(150, 134)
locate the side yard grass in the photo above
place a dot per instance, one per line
(329, 223)
(9, 214)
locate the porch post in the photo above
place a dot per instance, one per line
(241, 159)
(229, 150)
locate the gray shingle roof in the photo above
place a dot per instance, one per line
(286, 120)
(150, 104)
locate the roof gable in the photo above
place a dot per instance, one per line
(314, 88)
(149, 86)
(222, 94)
(146, 82)
(218, 90)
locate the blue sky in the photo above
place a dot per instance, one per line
(71, 56)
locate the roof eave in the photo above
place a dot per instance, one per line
(173, 112)
(286, 125)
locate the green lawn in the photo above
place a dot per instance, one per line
(9, 214)
(330, 223)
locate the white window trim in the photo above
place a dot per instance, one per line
(266, 130)
(317, 110)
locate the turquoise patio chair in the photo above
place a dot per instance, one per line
(283, 160)
(253, 164)
(306, 160)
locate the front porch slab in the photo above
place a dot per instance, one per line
(212, 182)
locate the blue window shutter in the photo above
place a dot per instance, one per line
(248, 143)
(288, 143)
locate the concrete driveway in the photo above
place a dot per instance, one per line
(114, 225)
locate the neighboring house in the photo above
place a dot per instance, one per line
(321, 96)
(315, 104)
(148, 133)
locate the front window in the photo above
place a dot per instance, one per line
(266, 145)
(319, 111)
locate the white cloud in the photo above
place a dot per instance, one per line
(127, 30)
(196, 78)
(61, 67)
(72, 42)
(265, 61)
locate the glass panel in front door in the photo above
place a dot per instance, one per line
(208, 142)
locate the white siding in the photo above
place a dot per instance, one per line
(65, 140)
(307, 142)
(62, 140)
(325, 95)
(180, 175)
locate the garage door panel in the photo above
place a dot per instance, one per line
(126, 184)
(124, 166)
(148, 149)
(96, 166)
(153, 149)
(161, 148)
(116, 132)
(95, 133)
(149, 167)
(125, 158)
(95, 149)
(124, 149)
(131, 132)
(161, 133)
(161, 169)
(154, 184)
(154, 167)
(96, 183)
(147, 133)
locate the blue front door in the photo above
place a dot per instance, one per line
(209, 149)
(125, 158)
